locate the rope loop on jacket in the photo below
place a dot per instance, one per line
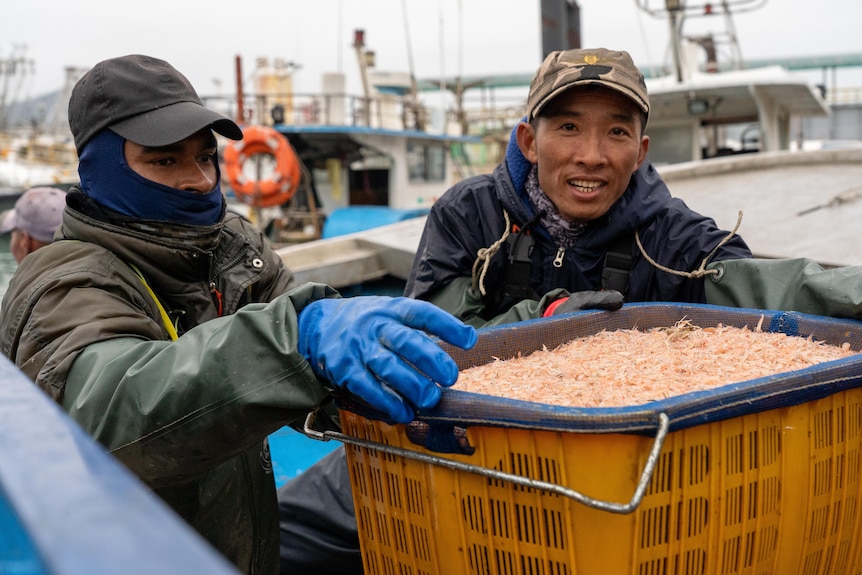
(700, 271)
(484, 255)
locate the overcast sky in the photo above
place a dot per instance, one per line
(444, 37)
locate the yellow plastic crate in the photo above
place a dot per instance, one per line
(756, 478)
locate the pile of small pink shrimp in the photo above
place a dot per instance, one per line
(632, 367)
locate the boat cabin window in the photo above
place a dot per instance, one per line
(426, 162)
(692, 141)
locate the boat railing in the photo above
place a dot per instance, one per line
(386, 111)
(844, 96)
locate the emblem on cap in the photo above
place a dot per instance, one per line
(591, 59)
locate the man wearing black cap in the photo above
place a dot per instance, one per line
(169, 329)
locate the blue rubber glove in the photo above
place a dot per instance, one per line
(376, 348)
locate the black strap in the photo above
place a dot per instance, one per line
(618, 263)
(517, 284)
(520, 244)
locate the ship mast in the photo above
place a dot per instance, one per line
(676, 12)
(13, 71)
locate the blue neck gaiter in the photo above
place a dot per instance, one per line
(110, 182)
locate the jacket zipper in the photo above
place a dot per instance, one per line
(558, 259)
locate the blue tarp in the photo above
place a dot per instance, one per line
(292, 453)
(360, 218)
(69, 508)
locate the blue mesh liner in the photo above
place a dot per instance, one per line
(462, 409)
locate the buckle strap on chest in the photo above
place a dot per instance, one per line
(520, 244)
(618, 263)
(517, 284)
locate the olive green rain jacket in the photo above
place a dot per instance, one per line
(189, 417)
(792, 284)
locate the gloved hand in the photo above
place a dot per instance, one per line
(610, 300)
(375, 347)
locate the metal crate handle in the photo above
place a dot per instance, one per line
(645, 477)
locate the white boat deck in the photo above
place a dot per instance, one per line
(355, 258)
(794, 204)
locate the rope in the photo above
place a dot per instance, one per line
(700, 271)
(484, 255)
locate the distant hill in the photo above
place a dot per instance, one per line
(44, 113)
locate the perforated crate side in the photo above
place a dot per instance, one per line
(759, 478)
(771, 493)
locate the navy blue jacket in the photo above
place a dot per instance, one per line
(469, 217)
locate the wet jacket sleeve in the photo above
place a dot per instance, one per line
(459, 299)
(171, 410)
(794, 284)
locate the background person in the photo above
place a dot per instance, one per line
(169, 329)
(33, 220)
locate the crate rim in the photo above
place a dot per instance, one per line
(465, 409)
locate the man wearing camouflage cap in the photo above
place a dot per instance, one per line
(573, 189)
(555, 228)
(552, 228)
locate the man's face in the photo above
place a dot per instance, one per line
(188, 165)
(587, 143)
(21, 244)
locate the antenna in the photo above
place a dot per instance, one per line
(414, 90)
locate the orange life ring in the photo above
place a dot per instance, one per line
(280, 185)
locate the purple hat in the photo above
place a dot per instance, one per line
(38, 212)
(143, 99)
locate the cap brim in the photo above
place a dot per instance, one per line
(173, 123)
(8, 221)
(644, 107)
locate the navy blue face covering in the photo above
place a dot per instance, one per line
(107, 178)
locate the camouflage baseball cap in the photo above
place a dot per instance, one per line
(562, 70)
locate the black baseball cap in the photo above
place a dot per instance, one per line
(143, 99)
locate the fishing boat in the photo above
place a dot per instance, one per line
(36, 147)
(29, 160)
(730, 141)
(313, 166)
